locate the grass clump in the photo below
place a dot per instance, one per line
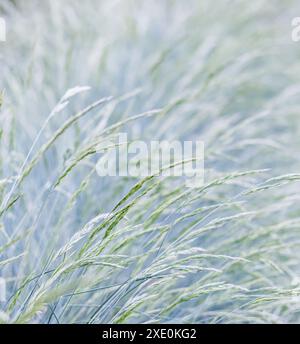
(78, 248)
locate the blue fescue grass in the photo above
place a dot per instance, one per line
(77, 248)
